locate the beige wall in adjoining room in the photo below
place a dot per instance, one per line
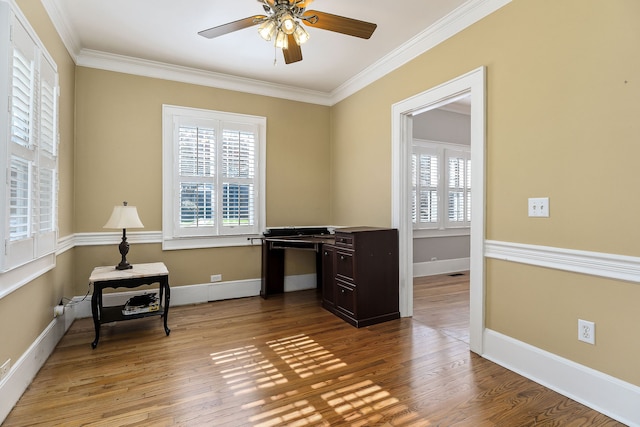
(562, 90)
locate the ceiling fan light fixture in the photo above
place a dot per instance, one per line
(267, 29)
(282, 41)
(287, 23)
(300, 35)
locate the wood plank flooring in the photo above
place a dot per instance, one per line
(286, 361)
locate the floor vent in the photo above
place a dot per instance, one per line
(456, 274)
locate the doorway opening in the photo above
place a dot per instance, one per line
(472, 85)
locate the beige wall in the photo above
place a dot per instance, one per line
(119, 157)
(563, 84)
(25, 313)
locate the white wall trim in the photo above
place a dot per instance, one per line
(448, 26)
(466, 15)
(25, 369)
(16, 278)
(601, 392)
(199, 293)
(142, 67)
(443, 266)
(110, 238)
(402, 113)
(612, 266)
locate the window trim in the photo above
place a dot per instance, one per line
(170, 239)
(25, 259)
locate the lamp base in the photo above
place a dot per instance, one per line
(124, 250)
(124, 266)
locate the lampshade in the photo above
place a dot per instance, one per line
(287, 23)
(300, 35)
(267, 29)
(124, 217)
(282, 42)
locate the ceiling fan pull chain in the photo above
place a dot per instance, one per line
(275, 56)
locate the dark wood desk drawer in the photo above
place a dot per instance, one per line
(344, 263)
(345, 298)
(344, 240)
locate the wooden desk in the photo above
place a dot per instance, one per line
(140, 274)
(273, 259)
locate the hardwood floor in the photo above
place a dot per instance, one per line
(286, 361)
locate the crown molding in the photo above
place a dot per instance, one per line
(141, 67)
(453, 23)
(64, 29)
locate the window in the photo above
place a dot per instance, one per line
(213, 178)
(441, 193)
(458, 188)
(29, 147)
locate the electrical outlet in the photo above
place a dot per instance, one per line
(4, 369)
(216, 278)
(586, 331)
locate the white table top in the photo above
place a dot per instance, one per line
(101, 274)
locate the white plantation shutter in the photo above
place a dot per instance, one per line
(22, 89)
(425, 176)
(238, 176)
(47, 160)
(29, 215)
(215, 176)
(458, 188)
(19, 199)
(196, 173)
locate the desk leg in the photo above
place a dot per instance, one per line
(167, 298)
(94, 312)
(319, 262)
(272, 271)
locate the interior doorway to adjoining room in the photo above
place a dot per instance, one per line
(472, 85)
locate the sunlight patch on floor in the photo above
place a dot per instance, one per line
(248, 370)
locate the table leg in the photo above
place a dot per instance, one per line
(167, 298)
(94, 312)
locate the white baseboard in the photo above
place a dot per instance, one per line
(205, 292)
(601, 392)
(445, 266)
(25, 369)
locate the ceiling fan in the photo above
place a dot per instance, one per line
(282, 24)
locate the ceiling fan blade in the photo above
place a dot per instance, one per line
(341, 24)
(230, 27)
(293, 53)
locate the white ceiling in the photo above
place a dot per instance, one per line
(165, 31)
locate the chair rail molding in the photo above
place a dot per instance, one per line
(611, 266)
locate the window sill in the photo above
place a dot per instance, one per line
(171, 244)
(447, 232)
(15, 278)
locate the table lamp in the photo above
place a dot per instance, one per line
(124, 217)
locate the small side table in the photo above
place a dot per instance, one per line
(140, 274)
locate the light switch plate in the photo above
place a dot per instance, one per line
(539, 207)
